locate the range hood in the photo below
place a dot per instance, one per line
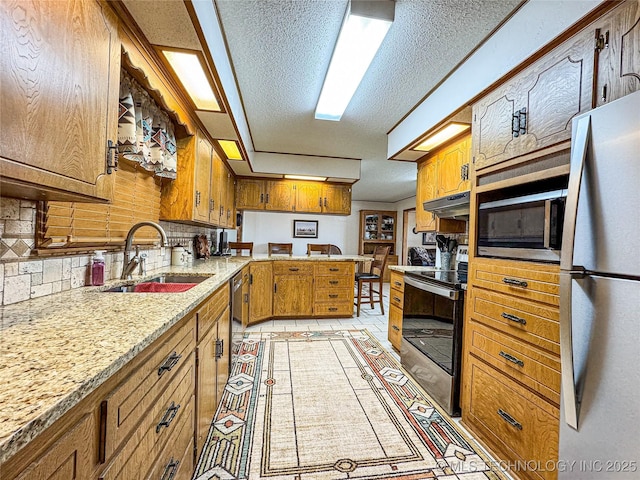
(452, 206)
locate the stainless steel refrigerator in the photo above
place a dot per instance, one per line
(600, 297)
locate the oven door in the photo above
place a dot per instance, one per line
(432, 339)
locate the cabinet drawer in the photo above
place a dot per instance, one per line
(134, 397)
(397, 281)
(532, 322)
(176, 460)
(335, 268)
(518, 424)
(396, 298)
(337, 295)
(210, 311)
(531, 281)
(156, 428)
(292, 268)
(333, 309)
(334, 282)
(394, 333)
(539, 371)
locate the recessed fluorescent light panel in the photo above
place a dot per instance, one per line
(363, 30)
(231, 149)
(441, 136)
(189, 69)
(305, 177)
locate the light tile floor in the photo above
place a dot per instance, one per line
(373, 320)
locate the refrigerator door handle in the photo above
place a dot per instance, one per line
(569, 395)
(578, 156)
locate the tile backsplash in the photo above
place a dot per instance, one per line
(24, 276)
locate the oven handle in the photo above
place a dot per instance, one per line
(429, 287)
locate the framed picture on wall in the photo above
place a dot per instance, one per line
(428, 238)
(305, 229)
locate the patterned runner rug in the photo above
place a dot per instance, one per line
(330, 405)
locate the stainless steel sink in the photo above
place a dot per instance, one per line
(169, 282)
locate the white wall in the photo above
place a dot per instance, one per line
(413, 239)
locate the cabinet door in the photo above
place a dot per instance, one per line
(202, 180)
(425, 190)
(260, 291)
(534, 110)
(224, 353)
(59, 83)
(453, 168)
(336, 199)
(230, 199)
(618, 52)
(293, 295)
(71, 457)
(206, 386)
(280, 195)
(308, 197)
(217, 189)
(250, 194)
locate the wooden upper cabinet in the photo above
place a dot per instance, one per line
(534, 109)
(230, 198)
(292, 196)
(59, 84)
(617, 52)
(187, 198)
(336, 199)
(250, 194)
(425, 190)
(453, 168)
(308, 197)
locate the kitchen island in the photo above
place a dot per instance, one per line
(61, 349)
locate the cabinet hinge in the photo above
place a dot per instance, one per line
(601, 41)
(219, 348)
(111, 157)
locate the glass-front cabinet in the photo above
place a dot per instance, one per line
(377, 228)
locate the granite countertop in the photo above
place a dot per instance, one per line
(411, 268)
(57, 349)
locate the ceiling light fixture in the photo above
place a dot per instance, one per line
(305, 177)
(189, 67)
(441, 136)
(231, 149)
(363, 30)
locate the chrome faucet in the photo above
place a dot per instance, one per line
(130, 265)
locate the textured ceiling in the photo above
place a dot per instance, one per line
(280, 50)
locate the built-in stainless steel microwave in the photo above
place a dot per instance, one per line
(522, 227)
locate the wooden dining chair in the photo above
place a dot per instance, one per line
(334, 250)
(281, 248)
(373, 276)
(239, 247)
(322, 248)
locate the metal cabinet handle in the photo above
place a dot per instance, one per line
(334, 269)
(197, 198)
(170, 470)
(333, 295)
(509, 419)
(515, 282)
(395, 328)
(513, 318)
(211, 204)
(171, 361)
(262, 198)
(325, 201)
(398, 284)
(320, 202)
(246, 298)
(267, 198)
(293, 269)
(511, 358)
(397, 299)
(333, 309)
(333, 282)
(168, 417)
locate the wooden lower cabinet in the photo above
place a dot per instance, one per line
(70, 457)
(292, 289)
(396, 304)
(333, 289)
(511, 362)
(260, 291)
(143, 421)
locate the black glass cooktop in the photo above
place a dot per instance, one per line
(449, 278)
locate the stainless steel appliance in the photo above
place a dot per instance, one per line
(237, 311)
(600, 297)
(432, 334)
(452, 206)
(523, 222)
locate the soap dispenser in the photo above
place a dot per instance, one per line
(97, 268)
